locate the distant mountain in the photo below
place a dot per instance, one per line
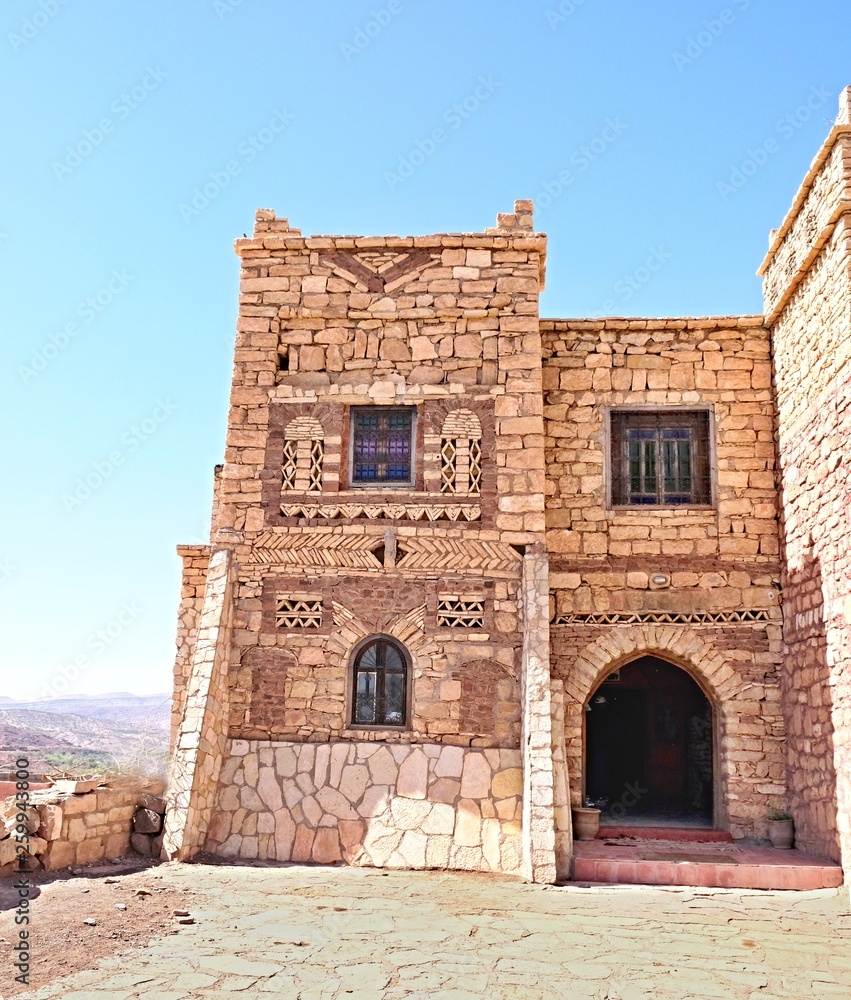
(86, 733)
(43, 751)
(153, 710)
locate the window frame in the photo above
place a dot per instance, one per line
(380, 484)
(351, 686)
(609, 468)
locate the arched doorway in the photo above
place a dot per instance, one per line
(649, 747)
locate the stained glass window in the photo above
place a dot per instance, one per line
(382, 446)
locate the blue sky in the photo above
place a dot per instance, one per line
(141, 137)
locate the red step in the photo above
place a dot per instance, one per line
(717, 865)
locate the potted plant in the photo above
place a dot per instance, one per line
(586, 822)
(781, 829)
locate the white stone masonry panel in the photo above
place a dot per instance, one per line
(371, 804)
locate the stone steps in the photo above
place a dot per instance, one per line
(692, 863)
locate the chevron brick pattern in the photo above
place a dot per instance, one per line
(463, 555)
(314, 549)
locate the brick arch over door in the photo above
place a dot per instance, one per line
(748, 745)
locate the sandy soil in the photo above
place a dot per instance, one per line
(60, 903)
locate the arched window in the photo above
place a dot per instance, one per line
(380, 684)
(304, 453)
(461, 453)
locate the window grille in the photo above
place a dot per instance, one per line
(289, 466)
(303, 457)
(317, 456)
(448, 455)
(475, 465)
(461, 453)
(460, 612)
(660, 458)
(293, 611)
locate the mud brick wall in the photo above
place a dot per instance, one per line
(294, 684)
(723, 558)
(398, 806)
(807, 276)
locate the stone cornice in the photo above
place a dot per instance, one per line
(779, 235)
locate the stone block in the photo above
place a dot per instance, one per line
(147, 821)
(155, 802)
(142, 843)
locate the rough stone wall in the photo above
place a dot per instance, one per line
(539, 804)
(397, 806)
(78, 824)
(196, 560)
(293, 685)
(446, 324)
(721, 560)
(807, 277)
(199, 748)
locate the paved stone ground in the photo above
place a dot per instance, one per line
(312, 933)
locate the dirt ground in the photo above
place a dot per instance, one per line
(62, 943)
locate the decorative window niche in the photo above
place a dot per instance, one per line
(303, 456)
(461, 453)
(298, 611)
(460, 612)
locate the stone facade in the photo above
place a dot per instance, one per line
(807, 282)
(720, 559)
(396, 806)
(502, 564)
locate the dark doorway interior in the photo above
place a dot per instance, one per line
(649, 747)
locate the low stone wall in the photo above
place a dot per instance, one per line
(371, 804)
(76, 822)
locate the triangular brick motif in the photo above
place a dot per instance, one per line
(376, 269)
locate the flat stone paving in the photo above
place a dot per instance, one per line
(314, 933)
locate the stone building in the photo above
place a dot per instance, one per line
(469, 566)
